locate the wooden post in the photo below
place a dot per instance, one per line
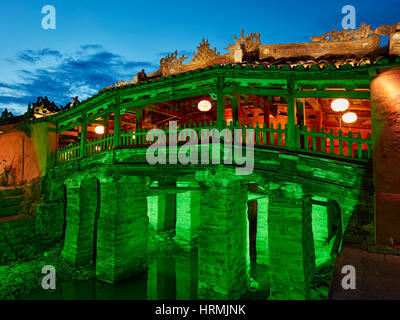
(137, 119)
(235, 108)
(290, 141)
(318, 126)
(267, 121)
(300, 112)
(107, 124)
(300, 117)
(83, 137)
(220, 103)
(117, 123)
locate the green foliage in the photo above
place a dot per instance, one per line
(30, 112)
(6, 115)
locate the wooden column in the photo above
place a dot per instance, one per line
(220, 103)
(300, 117)
(107, 124)
(138, 120)
(83, 137)
(235, 108)
(300, 111)
(117, 123)
(318, 126)
(290, 141)
(267, 112)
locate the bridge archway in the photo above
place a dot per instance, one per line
(327, 229)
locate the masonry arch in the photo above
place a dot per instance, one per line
(326, 227)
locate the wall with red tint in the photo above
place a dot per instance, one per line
(29, 156)
(385, 113)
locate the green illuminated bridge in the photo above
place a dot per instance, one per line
(312, 179)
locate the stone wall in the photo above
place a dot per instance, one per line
(385, 115)
(26, 226)
(18, 238)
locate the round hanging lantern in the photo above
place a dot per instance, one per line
(204, 105)
(99, 130)
(340, 105)
(349, 117)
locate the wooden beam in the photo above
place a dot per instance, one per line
(256, 91)
(332, 94)
(254, 195)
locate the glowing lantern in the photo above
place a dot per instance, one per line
(204, 105)
(349, 117)
(340, 105)
(99, 130)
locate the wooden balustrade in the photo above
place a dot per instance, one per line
(351, 146)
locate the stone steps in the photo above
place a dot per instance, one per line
(11, 201)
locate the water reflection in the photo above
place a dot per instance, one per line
(167, 278)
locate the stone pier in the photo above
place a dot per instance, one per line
(223, 252)
(262, 231)
(122, 227)
(291, 244)
(162, 211)
(82, 202)
(187, 216)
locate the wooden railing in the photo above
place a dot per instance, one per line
(69, 153)
(99, 144)
(351, 147)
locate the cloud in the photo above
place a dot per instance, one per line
(32, 56)
(92, 47)
(60, 76)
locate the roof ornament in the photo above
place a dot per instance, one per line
(123, 83)
(245, 47)
(249, 43)
(363, 32)
(171, 64)
(394, 41)
(204, 53)
(359, 42)
(140, 76)
(44, 108)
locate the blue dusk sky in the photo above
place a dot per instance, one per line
(97, 43)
